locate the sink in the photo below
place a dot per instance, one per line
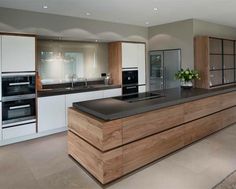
(79, 87)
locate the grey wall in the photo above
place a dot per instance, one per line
(215, 30)
(68, 27)
(172, 36)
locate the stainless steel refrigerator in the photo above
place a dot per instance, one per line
(163, 66)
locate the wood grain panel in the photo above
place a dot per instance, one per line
(228, 100)
(149, 149)
(104, 166)
(228, 116)
(201, 60)
(201, 128)
(103, 135)
(139, 126)
(200, 108)
(115, 62)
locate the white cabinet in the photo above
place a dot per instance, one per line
(0, 121)
(129, 55)
(18, 53)
(112, 93)
(134, 56)
(142, 89)
(51, 113)
(19, 131)
(79, 97)
(0, 68)
(141, 64)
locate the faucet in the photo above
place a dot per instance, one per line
(85, 82)
(72, 80)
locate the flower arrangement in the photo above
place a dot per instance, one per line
(187, 75)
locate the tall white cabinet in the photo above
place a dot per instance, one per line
(23, 58)
(128, 55)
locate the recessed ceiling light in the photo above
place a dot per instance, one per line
(88, 13)
(96, 40)
(155, 9)
(45, 6)
(147, 23)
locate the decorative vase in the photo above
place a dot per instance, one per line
(186, 84)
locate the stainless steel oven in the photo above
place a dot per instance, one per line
(18, 99)
(17, 112)
(18, 86)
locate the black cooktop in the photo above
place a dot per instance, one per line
(139, 96)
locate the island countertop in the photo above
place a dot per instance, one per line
(112, 108)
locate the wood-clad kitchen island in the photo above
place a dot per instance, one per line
(111, 138)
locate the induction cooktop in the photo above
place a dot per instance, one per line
(139, 96)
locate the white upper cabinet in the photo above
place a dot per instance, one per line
(129, 55)
(18, 53)
(133, 56)
(141, 64)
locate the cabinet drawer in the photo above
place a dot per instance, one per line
(18, 131)
(112, 93)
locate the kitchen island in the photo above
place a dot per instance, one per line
(115, 136)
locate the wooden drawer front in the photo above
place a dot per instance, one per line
(228, 100)
(203, 127)
(137, 127)
(149, 149)
(101, 134)
(199, 108)
(229, 116)
(86, 127)
(104, 166)
(19, 131)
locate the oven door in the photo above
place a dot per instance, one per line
(18, 111)
(129, 77)
(132, 89)
(17, 85)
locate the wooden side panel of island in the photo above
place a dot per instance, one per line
(111, 149)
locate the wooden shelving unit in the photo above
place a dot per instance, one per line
(215, 61)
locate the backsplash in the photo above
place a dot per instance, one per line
(59, 60)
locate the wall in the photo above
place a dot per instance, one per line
(68, 27)
(215, 30)
(172, 36)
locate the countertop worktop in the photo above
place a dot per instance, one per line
(112, 108)
(78, 89)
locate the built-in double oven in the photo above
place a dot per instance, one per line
(129, 81)
(18, 99)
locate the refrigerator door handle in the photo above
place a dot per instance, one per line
(164, 77)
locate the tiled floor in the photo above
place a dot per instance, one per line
(43, 164)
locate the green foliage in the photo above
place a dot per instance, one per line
(187, 75)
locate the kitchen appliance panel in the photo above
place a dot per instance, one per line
(130, 89)
(17, 111)
(130, 77)
(16, 85)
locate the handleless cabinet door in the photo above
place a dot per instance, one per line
(141, 64)
(18, 53)
(112, 93)
(51, 113)
(79, 97)
(129, 55)
(0, 121)
(0, 69)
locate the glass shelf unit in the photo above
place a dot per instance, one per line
(222, 67)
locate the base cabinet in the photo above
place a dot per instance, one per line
(51, 113)
(18, 131)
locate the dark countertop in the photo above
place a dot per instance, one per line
(77, 89)
(112, 108)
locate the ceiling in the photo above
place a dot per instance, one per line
(135, 12)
